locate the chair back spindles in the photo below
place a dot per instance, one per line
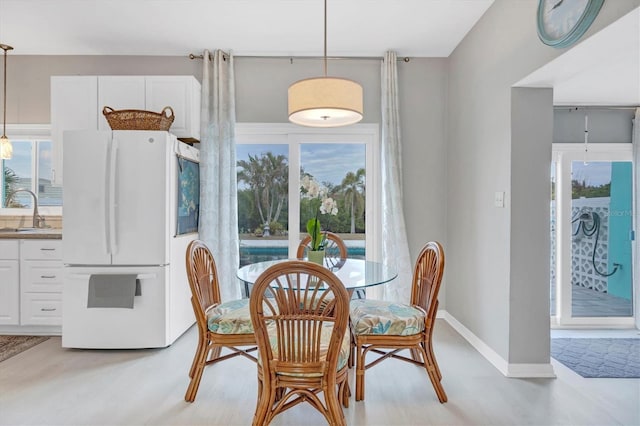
(300, 314)
(427, 276)
(203, 275)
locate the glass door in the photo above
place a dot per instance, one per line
(593, 223)
(287, 176)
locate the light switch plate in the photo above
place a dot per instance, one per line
(499, 199)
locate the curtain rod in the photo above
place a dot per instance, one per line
(576, 108)
(291, 58)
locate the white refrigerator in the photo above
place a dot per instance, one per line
(131, 201)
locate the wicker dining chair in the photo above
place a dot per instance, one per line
(386, 328)
(335, 255)
(220, 325)
(335, 251)
(300, 312)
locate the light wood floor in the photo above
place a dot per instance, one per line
(48, 385)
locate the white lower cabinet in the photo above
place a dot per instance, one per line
(41, 309)
(9, 282)
(31, 286)
(41, 282)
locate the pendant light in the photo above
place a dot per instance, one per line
(325, 101)
(6, 150)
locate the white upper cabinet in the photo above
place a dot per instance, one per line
(73, 101)
(119, 92)
(183, 96)
(77, 103)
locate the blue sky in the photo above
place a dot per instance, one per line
(594, 173)
(21, 161)
(326, 162)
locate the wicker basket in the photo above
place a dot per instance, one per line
(136, 119)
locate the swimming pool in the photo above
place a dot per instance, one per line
(253, 254)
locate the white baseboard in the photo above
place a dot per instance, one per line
(509, 370)
(531, 371)
(31, 330)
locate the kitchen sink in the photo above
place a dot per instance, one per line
(26, 230)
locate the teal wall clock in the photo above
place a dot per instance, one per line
(561, 23)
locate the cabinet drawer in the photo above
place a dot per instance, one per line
(41, 309)
(41, 250)
(43, 277)
(9, 250)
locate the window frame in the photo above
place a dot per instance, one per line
(34, 133)
(294, 136)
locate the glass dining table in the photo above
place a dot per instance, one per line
(355, 274)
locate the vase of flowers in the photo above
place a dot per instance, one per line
(321, 204)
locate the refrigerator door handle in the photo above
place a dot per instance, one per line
(139, 276)
(113, 243)
(105, 198)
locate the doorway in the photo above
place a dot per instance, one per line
(591, 282)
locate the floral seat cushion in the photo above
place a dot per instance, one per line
(385, 318)
(325, 337)
(230, 318)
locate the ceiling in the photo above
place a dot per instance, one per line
(604, 69)
(433, 28)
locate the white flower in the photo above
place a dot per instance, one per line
(306, 181)
(322, 193)
(329, 206)
(314, 189)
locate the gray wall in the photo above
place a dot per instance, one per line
(261, 96)
(531, 122)
(604, 125)
(28, 78)
(261, 88)
(488, 280)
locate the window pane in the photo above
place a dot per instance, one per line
(17, 174)
(338, 172)
(47, 195)
(601, 218)
(263, 179)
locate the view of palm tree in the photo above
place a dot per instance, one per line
(352, 188)
(267, 178)
(10, 180)
(263, 192)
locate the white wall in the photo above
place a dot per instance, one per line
(490, 290)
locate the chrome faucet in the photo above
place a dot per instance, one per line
(38, 221)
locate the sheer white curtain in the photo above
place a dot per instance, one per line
(218, 205)
(395, 248)
(635, 139)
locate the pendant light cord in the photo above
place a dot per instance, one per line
(586, 138)
(4, 96)
(4, 111)
(325, 38)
